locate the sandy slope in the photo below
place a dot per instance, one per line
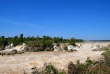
(24, 62)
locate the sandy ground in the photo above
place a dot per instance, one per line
(19, 63)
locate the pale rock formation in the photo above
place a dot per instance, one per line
(57, 48)
(20, 47)
(63, 47)
(95, 47)
(9, 46)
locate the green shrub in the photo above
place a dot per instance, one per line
(89, 67)
(39, 45)
(88, 61)
(2, 47)
(107, 57)
(72, 41)
(50, 69)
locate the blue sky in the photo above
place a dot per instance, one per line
(86, 19)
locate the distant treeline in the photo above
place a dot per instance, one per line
(100, 40)
(97, 40)
(42, 40)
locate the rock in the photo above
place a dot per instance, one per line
(23, 46)
(9, 46)
(14, 51)
(70, 47)
(96, 47)
(57, 48)
(64, 47)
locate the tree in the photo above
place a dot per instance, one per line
(21, 38)
(16, 41)
(3, 41)
(72, 41)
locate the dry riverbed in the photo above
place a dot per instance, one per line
(19, 63)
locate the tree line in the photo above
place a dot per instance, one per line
(40, 41)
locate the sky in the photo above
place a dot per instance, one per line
(82, 19)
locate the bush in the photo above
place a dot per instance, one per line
(39, 45)
(107, 58)
(2, 47)
(71, 68)
(90, 67)
(104, 48)
(50, 69)
(72, 41)
(33, 49)
(88, 61)
(108, 46)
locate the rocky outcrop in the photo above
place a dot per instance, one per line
(9, 46)
(57, 48)
(63, 47)
(22, 46)
(96, 47)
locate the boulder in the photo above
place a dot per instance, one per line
(64, 47)
(57, 48)
(70, 47)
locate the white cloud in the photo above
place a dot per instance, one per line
(22, 24)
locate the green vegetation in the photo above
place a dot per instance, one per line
(107, 58)
(72, 41)
(36, 43)
(15, 40)
(89, 67)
